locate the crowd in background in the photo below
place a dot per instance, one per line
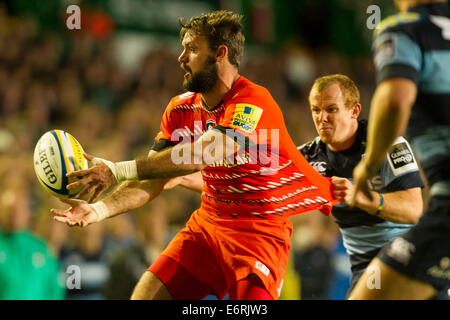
(74, 83)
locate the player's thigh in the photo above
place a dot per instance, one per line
(150, 287)
(381, 282)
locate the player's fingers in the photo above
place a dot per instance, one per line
(79, 183)
(72, 202)
(337, 180)
(79, 173)
(58, 212)
(88, 156)
(88, 189)
(97, 192)
(64, 220)
(340, 187)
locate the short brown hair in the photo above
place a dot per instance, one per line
(220, 28)
(348, 87)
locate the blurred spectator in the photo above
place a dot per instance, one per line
(314, 239)
(29, 268)
(128, 265)
(88, 253)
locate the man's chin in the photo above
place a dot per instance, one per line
(326, 139)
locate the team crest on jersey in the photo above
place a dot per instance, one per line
(246, 117)
(319, 166)
(211, 123)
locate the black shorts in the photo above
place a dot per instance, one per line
(423, 252)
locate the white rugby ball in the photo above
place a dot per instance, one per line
(56, 154)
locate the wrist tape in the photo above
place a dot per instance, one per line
(101, 209)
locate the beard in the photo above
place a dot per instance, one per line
(203, 81)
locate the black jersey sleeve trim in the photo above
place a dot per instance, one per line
(405, 182)
(398, 70)
(162, 144)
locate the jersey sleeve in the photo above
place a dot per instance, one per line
(396, 55)
(400, 170)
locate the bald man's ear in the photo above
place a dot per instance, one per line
(356, 110)
(221, 53)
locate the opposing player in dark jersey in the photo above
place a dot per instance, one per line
(232, 130)
(396, 202)
(412, 60)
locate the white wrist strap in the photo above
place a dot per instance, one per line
(101, 209)
(126, 170)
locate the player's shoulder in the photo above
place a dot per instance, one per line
(185, 99)
(403, 21)
(310, 148)
(248, 91)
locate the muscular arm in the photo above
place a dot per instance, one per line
(184, 159)
(389, 114)
(400, 206)
(404, 206)
(131, 195)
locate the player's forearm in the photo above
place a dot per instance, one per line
(131, 195)
(400, 206)
(192, 182)
(173, 162)
(389, 114)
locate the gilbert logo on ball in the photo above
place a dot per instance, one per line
(56, 154)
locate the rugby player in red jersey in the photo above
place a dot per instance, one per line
(233, 131)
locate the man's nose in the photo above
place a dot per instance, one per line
(182, 57)
(323, 116)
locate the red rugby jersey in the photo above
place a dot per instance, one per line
(268, 178)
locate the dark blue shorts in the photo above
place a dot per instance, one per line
(423, 252)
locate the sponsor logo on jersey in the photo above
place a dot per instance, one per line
(211, 123)
(401, 155)
(401, 158)
(246, 117)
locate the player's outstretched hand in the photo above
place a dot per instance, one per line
(80, 213)
(95, 180)
(360, 177)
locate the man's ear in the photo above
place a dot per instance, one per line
(356, 110)
(221, 53)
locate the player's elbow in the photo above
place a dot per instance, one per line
(415, 210)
